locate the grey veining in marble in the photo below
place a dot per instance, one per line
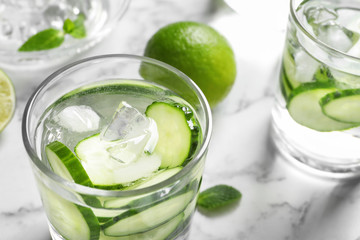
(280, 201)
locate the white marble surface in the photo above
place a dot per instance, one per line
(280, 202)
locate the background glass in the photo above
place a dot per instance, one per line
(320, 49)
(94, 70)
(21, 19)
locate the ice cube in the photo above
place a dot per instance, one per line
(78, 118)
(128, 150)
(337, 36)
(306, 66)
(131, 134)
(53, 130)
(325, 25)
(126, 123)
(320, 15)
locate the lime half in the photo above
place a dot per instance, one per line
(7, 100)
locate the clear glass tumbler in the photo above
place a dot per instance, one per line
(160, 211)
(21, 19)
(316, 114)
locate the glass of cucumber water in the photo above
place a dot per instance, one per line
(21, 19)
(316, 118)
(117, 145)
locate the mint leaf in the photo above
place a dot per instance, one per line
(218, 196)
(44, 40)
(68, 26)
(52, 38)
(79, 30)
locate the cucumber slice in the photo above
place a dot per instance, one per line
(72, 221)
(174, 133)
(65, 164)
(284, 84)
(157, 178)
(106, 172)
(147, 218)
(104, 215)
(342, 105)
(130, 201)
(304, 107)
(290, 68)
(159, 233)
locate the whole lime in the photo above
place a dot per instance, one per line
(200, 52)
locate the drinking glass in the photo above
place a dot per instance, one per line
(315, 119)
(68, 205)
(21, 19)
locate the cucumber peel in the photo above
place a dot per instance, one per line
(65, 164)
(342, 105)
(285, 86)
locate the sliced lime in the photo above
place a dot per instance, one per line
(7, 100)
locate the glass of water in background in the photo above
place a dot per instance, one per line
(316, 117)
(20, 19)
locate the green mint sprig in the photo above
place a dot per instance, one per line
(53, 38)
(218, 196)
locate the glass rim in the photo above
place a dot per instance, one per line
(312, 37)
(115, 193)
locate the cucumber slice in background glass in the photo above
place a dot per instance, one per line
(284, 84)
(342, 105)
(305, 109)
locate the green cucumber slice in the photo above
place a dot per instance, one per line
(342, 105)
(130, 201)
(108, 173)
(174, 142)
(284, 84)
(72, 221)
(290, 68)
(304, 107)
(65, 164)
(161, 176)
(159, 233)
(104, 215)
(144, 219)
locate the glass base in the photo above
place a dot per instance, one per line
(181, 233)
(330, 154)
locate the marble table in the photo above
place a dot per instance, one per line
(280, 201)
